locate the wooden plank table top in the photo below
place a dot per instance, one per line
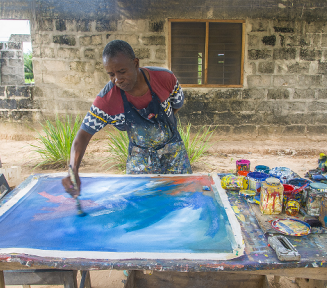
(258, 257)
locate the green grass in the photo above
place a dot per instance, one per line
(55, 141)
(195, 146)
(118, 148)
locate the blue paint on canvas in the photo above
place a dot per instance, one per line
(125, 214)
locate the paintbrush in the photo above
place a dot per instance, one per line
(78, 204)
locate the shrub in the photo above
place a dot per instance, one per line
(55, 141)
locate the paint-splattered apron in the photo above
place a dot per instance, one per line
(155, 146)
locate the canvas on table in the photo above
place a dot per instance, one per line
(128, 217)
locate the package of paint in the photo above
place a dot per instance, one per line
(242, 165)
(271, 196)
(313, 197)
(255, 179)
(323, 211)
(232, 182)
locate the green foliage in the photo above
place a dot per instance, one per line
(28, 67)
(118, 148)
(195, 146)
(55, 141)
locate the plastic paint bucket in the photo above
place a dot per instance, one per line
(233, 182)
(262, 168)
(313, 197)
(255, 179)
(243, 173)
(288, 193)
(284, 174)
(271, 196)
(242, 165)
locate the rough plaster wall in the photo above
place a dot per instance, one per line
(285, 46)
(67, 58)
(285, 87)
(16, 97)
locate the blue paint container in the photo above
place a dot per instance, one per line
(284, 174)
(262, 168)
(255, 179)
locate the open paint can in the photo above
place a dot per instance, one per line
(255, 179)
(243, 173)
(262, 168)
(314, 195)
(242, 165)
(283, 174)
(271, 196)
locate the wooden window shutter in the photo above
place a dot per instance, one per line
(188, 51)
(224, 53)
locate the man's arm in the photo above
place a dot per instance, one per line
(80, 143)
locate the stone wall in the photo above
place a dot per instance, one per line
(67, 58)
(285, 85)
(16, 97)
(284, 89)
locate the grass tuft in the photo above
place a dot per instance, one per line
(55, 141)
(195, 146)
(118, 148)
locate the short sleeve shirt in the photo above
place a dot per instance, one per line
(108, 106)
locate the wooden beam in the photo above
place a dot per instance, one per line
(169, 45)
(2, 280)
(206, 49)
(242, 55)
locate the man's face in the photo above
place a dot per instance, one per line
(122, 71)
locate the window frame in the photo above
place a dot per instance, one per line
(207, 21)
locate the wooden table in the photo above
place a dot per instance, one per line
(259, 259)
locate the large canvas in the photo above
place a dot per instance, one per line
(128, 217)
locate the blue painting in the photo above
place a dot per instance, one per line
(125, 214)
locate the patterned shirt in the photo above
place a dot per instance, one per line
(108, 106)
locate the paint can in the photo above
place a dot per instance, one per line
(323, 211)
(313, 197)
(292, 207)
(262, 168)
(255, 179)
(242, 165)
(284, 174)
(288, 193)
(232, 182)
(243, 173)
(271, 196)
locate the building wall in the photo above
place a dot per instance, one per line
(16, 97)
(284, 67)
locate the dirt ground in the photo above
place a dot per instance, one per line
(297, 153)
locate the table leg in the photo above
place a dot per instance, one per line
(2, 279)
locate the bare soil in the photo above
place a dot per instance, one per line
(297, 153)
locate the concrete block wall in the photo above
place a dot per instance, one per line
(12, 63)
(284, 92)
(16, 97)
(67, 58)
(285, 84)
